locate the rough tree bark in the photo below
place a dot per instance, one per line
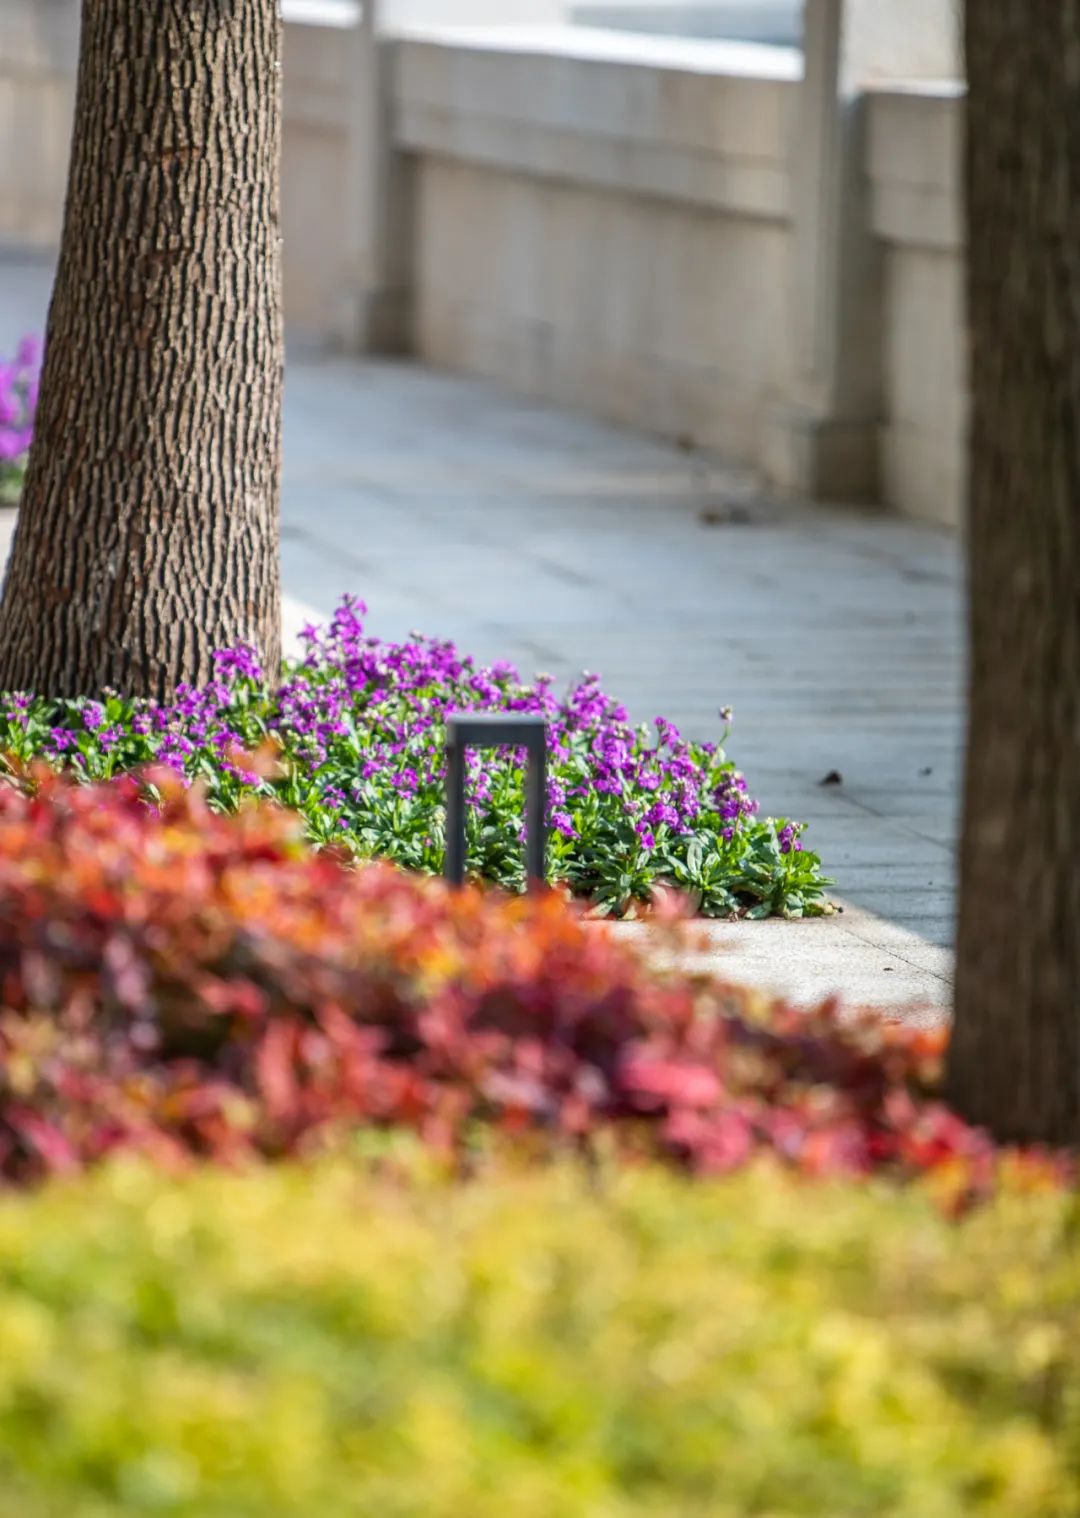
(148, 532)
(1015, 1061)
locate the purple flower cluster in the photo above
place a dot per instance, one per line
(18, 404)
(406, 689)
(353, 737)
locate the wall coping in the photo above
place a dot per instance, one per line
(637, 123)
(906, 89)
(341, 14)
(585, 44)
(914, 140)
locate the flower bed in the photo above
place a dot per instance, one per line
(18, 402)
(185, 983)
(353, 739)
(345, 1341)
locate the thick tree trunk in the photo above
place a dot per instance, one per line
(1015, 1062)
(148, 532)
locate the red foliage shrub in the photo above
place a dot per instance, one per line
(191, 984)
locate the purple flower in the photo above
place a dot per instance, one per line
(662, 813)
(563, 823)
(28, 353)
(240, 661)
(246, 777)
(788, 838)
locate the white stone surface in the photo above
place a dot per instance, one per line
(684, 54)
(903, 39)
(395, 14)
(341, 14)
(868, 961)
(778, 22)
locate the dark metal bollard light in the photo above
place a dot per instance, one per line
(465, 730)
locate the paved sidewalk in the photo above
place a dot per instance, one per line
(550, 539)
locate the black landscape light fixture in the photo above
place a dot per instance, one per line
(465, 730)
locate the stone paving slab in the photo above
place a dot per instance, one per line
(869, 963)
(526, 533)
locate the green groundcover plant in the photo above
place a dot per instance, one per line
(358, 1337)
(352, 738)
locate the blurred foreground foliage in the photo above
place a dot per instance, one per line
(361, 1337)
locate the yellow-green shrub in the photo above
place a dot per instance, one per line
(327, 1341)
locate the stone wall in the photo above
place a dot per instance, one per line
(914, 167)
(38, 48)
(319, 61)
(612, 223)
(38, 56)
(623, 224)
(605, 228)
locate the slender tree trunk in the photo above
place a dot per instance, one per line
(148, 532)
(1015, 1062)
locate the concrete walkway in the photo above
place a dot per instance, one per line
(563, 544)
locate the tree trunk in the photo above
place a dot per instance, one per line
(148, 532)
(1015, 1061)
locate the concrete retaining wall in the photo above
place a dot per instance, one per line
(914, 167)
(38, 56)
(622, 224)
(38, 51)
(318, 62)
(602, 228)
